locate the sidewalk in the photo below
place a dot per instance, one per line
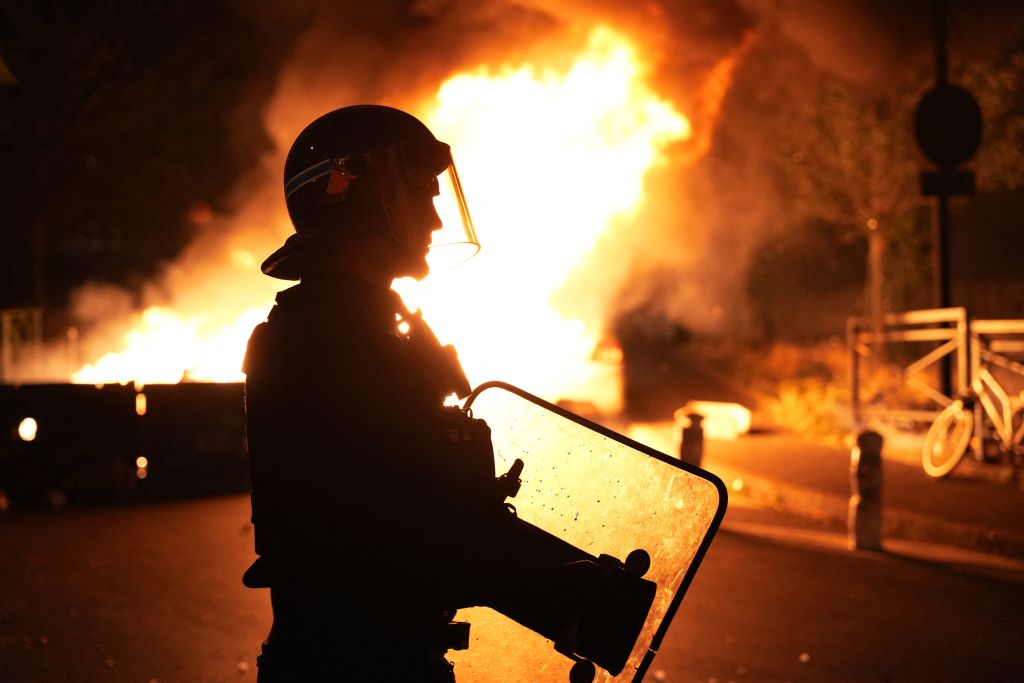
(971, 510)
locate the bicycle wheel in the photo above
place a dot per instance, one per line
(947, 439)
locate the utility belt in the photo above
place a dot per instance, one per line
(364, 652)
(438, 637)
(418, 635)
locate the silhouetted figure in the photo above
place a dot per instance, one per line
(376, 508)
(361, 522)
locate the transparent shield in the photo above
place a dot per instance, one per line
(604, 494)
(456, 241)
(418, 184)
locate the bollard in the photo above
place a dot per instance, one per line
(691, 444)
(864, 525)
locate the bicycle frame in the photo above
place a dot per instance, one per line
(986, 386)
(990, 341)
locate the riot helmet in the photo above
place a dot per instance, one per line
(370, 168)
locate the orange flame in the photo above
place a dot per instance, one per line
(713, 93)
(167, 347)
(549, 160)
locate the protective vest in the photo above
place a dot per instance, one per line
(350, 443)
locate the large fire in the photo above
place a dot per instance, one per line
(550, 160)
(167, 347)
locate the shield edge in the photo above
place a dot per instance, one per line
(716, 521)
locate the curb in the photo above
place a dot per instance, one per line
(896, 523)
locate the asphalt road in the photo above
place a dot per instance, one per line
(152, 593)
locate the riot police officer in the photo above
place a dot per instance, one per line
(376, 509)
(360, 531)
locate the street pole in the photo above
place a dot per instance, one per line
(940, 254)
(948, 126)
(940, 214)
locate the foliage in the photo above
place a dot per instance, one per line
(802, 388)
(848, 158)
(799, 283)
(999, 89)
(847, 154)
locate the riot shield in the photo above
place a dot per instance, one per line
(604, 506)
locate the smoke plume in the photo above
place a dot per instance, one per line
(685, 255)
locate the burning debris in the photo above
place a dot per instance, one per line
(573, 136)
(616, 157)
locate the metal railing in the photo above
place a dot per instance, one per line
(992, 344)
(21, 337)
(970, 346)
(944, 329)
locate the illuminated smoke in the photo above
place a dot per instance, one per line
(588, 126)
(551, 160)
(681, 250)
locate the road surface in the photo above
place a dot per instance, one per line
(147, 593)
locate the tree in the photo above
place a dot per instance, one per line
(847, 157)
(999, 89)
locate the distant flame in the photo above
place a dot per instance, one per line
(166, 347)
(549, 159)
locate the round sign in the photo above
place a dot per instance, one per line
(948, 125)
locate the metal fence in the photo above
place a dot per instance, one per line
(944, 333)
(952, 342)
(21, 338)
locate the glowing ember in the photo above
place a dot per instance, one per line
(549, 160)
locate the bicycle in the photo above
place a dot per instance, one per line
(951, 432)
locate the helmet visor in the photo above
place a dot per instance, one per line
(420, 190)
